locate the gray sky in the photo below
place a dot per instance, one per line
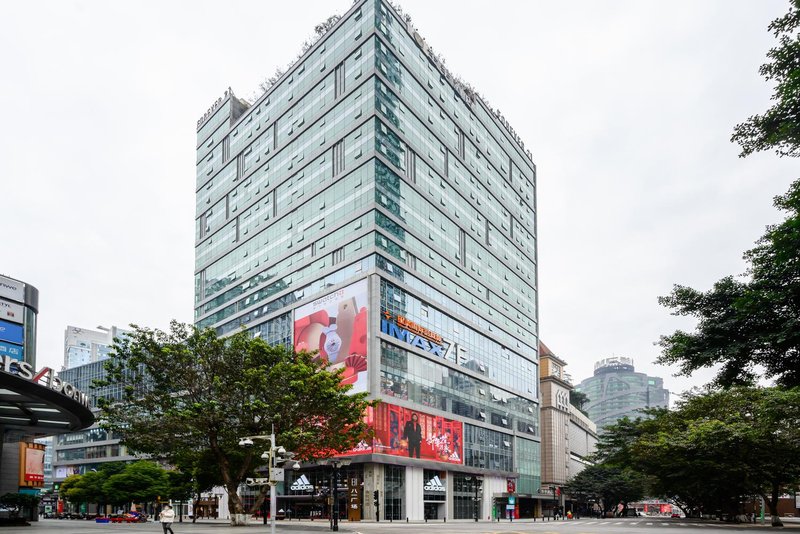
(627, 107)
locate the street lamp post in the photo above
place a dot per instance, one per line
(275, 456)
(336, 464)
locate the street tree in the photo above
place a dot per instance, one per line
(715, 450)
(746, 325)
(200, 393)
(142, 481)
(608, 485)
(751, 323)
(779, 127)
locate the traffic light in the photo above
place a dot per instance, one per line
(558, 491)
(376, 496)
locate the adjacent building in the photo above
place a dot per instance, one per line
(85, 352)
(371, 206)
(569, 437)
(616, 390)
(34, 403)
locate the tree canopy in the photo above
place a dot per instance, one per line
(716, 449)
(121, 483)
(199, 394)
(751, 324)
(746, 325)
(779, 127)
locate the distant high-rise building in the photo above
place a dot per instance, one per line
(370, 205)
(85, 352)
(82, 346)
(616, 390)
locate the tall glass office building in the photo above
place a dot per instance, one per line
(616, 390)
(372, 207)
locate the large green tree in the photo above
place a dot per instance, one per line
(199, 393)
(607, 485)
(716, 449)
(142, 481)
(779, 127)
(751, 324)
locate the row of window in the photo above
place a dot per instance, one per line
(407, 376)
(481, 353)
(508, 332)
(471, 117)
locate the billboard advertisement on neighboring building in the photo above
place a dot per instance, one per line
(12, 289)
(336, 326)
(9, 311)
(14, 351)
(31, 464)
(405, 432)
(11, 332)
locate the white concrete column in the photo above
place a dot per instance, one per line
(415, 507)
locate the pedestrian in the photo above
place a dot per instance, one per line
(167, 516)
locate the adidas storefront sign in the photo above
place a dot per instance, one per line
(434, 484)
(301, 484)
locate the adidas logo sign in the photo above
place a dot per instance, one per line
(301, 484)
(434, 484)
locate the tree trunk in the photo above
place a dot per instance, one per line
(773, 506)
(238, 515)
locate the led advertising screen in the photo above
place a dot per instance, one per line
(336, 326)
(405, 432)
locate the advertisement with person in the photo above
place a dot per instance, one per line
(336, 326)
(405, 432)
(31, 456)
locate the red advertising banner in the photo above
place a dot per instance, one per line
(404, 432)
(336, 326)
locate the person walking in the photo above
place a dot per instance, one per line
(167, 516)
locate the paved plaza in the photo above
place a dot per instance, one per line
(579, 526)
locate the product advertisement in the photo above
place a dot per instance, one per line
(336, 326)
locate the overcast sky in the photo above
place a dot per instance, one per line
(627, 106)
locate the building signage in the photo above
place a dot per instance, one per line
(302, 484)
(434, 484)
(12, 289)
(420, 337)
(511, 485)
(44, 376)
(353, 499)
(10, 311)
(10, 332)
(9, 349)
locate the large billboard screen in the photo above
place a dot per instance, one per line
(405, 432)
(31, 460)
(336, 326)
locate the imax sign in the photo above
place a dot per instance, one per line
(421, 338)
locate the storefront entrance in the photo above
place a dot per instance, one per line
(432, 510)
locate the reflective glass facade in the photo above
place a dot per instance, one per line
(367, 161)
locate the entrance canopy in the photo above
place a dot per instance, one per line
(37, 408)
